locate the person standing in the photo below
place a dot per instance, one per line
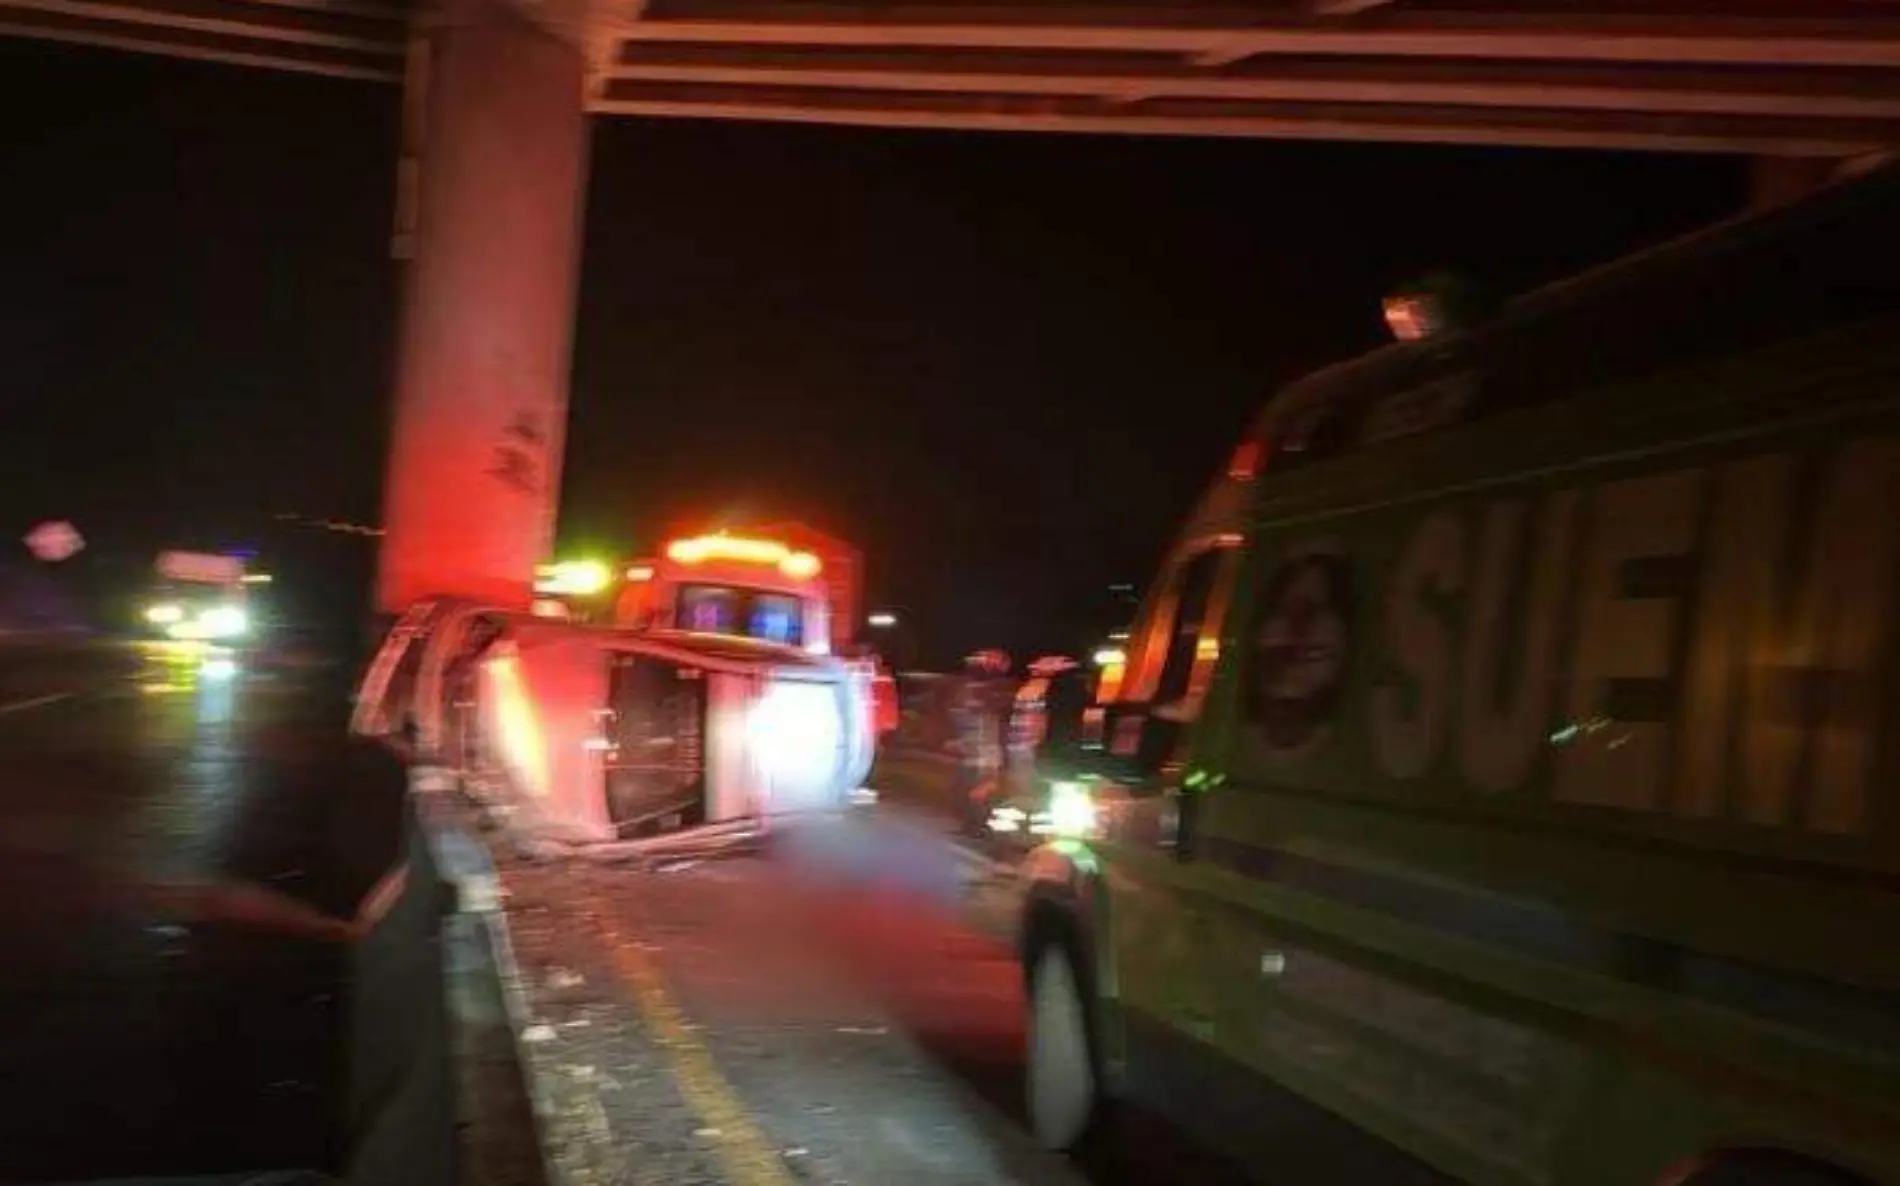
(987, 692)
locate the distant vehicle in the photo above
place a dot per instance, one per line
(199, 597)
(1498, 782)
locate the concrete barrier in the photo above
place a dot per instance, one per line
(399, 1103)
(432, 1073)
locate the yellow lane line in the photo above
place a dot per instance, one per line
(746, 1154)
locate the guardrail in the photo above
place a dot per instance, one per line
(417, 1082)
(400, 1114)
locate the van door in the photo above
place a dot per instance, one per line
(1159, 933)
(1296, 894)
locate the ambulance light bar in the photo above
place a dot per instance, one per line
(701, 548)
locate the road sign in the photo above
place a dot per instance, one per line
(54, 541)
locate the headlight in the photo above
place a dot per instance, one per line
(1071, 810)
(164, 615)
(796, 734)
(224, 621)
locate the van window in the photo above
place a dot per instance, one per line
(720, 609)
(1195, 592)
(1047, 720)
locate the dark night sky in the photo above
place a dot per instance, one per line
(1006, 364)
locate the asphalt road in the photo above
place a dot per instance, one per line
(180, 847)
(843, 1009)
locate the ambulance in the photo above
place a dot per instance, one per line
(1499, 784)
(786, 584)
(720, 583)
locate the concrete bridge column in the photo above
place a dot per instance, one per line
(495, 184)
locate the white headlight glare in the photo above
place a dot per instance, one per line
(224, 621)
(1071, 810)
(795, 733)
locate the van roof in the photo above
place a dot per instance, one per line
(1620, 299)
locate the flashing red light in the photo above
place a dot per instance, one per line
(1246, 462)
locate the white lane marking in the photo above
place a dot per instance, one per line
(35, 702)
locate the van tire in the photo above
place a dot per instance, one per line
(1062, 1083)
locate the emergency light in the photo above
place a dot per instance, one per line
(701, 548)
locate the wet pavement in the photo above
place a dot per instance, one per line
(845, 1008)
(761, 1021)
(182, 851)
(184, 855)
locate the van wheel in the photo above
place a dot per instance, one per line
(1063, 1090)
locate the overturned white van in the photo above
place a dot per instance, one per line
(591, 736)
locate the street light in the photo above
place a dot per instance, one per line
(881, 621)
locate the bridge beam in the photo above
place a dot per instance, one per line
(497, 179)
(1778, 180)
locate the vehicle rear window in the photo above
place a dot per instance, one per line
(775, 618)
(723, 609)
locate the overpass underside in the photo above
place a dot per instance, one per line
(1819, 78)
(497, 95)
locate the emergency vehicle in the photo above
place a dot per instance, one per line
(743, 586)
(762, 586)
(1498, 784)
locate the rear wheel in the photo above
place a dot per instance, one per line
(1063, 1088)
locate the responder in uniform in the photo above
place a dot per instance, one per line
(983, 707)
